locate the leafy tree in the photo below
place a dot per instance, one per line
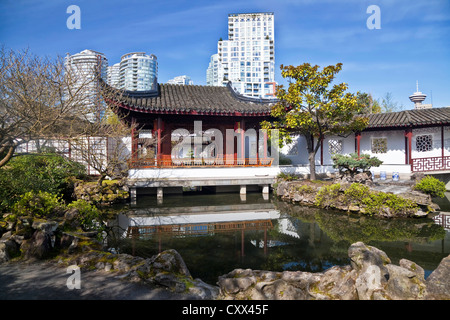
(313, 108)
(388, 104)
(370, 105)
(367, 103)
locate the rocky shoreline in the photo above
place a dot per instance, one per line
(356, 198)
(370, 276)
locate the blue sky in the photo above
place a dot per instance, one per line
(412, 44)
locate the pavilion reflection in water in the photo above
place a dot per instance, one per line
(155, 223)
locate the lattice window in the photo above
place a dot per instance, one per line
(379, 145)
(293, 150)
(335, 146)
(424, 143)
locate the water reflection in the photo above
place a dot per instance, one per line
(217, 233)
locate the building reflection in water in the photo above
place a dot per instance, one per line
(160, 222)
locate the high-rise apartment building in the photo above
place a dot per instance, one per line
(82, 68)
(138, 71)
(212, 73)
(183, 80)
(247, 58)
(113, 75)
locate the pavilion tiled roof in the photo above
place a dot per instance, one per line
(409, 118)
(193, 99)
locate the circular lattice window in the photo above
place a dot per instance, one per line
(424, 143)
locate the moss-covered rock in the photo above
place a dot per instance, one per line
(356, 197)
(109, 192)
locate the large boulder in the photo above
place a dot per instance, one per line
(370, 276)
(438, 282)
(38, 247)
(166, 269)
(8, 249)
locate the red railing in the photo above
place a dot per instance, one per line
(430, 164)
(443, 220)
(194, 163)
(198, 228)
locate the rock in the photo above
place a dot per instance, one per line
(171, 261)
(166, 269)
(8, 249)
(363, 256)
(361, 177)
(171, 281)
(304, 192)
(414, 267)
(438, 282)
(203, 290)
(370, 276)
(237, 280)
(404, 284)
(46, 226)
(38, 247)
(338, 283)
(417, 176)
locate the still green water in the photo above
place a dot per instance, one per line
(216, 233)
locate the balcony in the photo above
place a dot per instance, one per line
(219, 162)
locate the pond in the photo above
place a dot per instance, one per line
(216, 233)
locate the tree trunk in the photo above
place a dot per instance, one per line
(8, 153)
(311, 155)
(100, 179)
(312, 164)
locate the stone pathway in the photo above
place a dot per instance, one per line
(47, 281)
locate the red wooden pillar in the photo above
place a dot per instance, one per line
(442, 143)
(408, 136)
(158, 127)
(358, 142)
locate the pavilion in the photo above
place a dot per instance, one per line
(193, 118)
(213, 131)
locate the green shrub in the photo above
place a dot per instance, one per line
(38, 205)
(50, 173)
(327, 195)
(432, 186)
(371, 202)
(305, 189)
(88, 216)
(356, 193)
(376, 202)
(288, 176)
